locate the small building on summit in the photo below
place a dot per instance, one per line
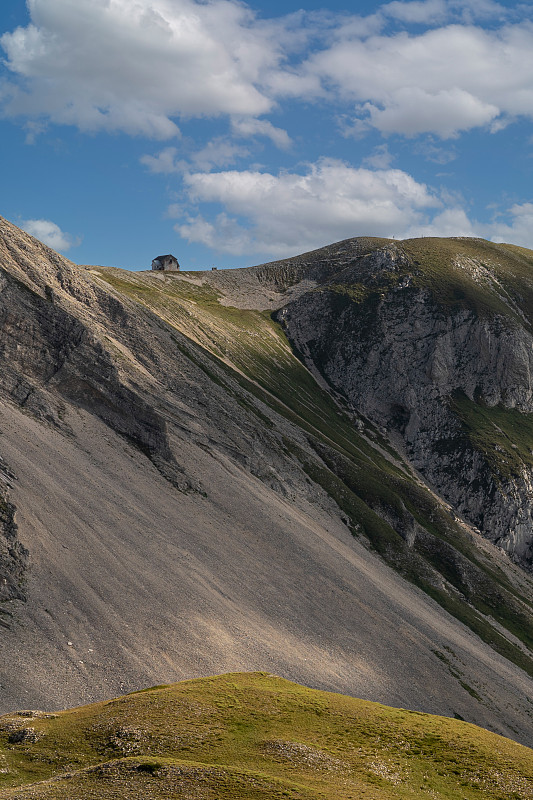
(167, 262)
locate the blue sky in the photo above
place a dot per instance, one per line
(230, 133)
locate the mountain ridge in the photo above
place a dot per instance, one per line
(193, 501)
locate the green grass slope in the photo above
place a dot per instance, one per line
(482, 276)
(376, 492)
(474, 273)
(254, 736)
(503, 435)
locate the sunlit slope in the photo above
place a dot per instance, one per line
(383, 503)
(476, 274)
(254, 347)
(461, 273)
(254, 736)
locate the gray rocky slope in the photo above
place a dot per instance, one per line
(180, 497)
(383, 333)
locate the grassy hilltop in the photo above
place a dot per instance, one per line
(254, 736)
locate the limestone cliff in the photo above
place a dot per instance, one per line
(428, 349)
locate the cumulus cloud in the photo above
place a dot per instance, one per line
(518, 229)
(250, 126)
(413, 110)
(276, 215)
(450, 222)
(219, 152)
(288, 212)
(291, 212)
(141, 66)
(418, 11)
(135, 67)
(380, 158)
(50, 234)
(441, 81)
(224, 235)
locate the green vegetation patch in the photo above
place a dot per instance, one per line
(485, 277)
(162, 780)
(255, 736)
(503, 435)
(357, 292)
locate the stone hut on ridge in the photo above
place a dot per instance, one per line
(163, 263)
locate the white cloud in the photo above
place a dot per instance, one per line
(424, 11)
(50, 234)
(135, 66)
(224, 235)
(380, 158)
(289, 212)
(141, 66)
(450, 222)
(250, 126)
(442, 81)
(519, 230)
(163, 163)
(413, 110)
(219, 152)
(277, 215)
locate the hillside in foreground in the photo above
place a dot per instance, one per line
(254, 736)
(297, 467)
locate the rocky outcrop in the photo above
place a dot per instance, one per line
(52, 349)
(399, 355)
(13, 556)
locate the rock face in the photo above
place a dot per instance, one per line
(13, 556)
(189, 499)
(50, 349)
(400, 354)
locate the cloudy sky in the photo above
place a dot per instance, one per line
(232, 133)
